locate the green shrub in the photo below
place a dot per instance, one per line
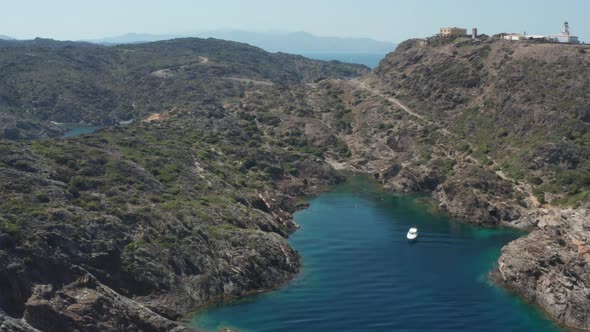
(502, 132)
(535, 180)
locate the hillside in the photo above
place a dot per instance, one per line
(495, 130)
(136, 226)
(523, 106)
(192, 202)
(70, 82)
(498, 131)
(170, 217)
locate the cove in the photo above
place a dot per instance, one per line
(360, 273)
(77, 130)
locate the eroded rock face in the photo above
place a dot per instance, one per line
(8, 323)
(87, 305)
(479, 196)
(51, 294)
(422, 179)
(64, 267)
(551, 266)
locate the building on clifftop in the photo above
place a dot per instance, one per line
(453, 32)
(565, 36)
(520, 36)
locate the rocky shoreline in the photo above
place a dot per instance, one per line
(534, 266)
(139, 270)
(461, 119)
(548, 267)
(137, 226)
(523, 266)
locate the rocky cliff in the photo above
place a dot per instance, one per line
(137, 227)
(499, 135)
(191, 203)
(550, 266)
(134, 227)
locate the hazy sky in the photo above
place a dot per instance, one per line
(389, 20)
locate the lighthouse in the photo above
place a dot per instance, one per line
(566, 28)
(565, 36)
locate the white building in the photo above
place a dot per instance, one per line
(513, 36)
(520, 36)
(565, 36)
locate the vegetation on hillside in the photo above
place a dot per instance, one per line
(523, 105)
(82, 83)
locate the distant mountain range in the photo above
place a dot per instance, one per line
(288, 42)
(6, 37)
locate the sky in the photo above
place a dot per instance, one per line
(386, 20)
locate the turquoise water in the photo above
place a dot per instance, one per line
(369, 60)
(361, 274)
(76, 130)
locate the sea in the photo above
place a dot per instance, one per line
(370, 60)
(77, 130)
(360, 273)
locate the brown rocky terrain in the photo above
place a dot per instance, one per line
(132, 228)
(498, 133)
(550, 266)
(136, 226)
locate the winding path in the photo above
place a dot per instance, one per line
(363, 85)
(522, 187)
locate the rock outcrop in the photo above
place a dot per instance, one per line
(551, 266)
(84, 304)
(479, 196)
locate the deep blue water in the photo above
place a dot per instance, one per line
(77, 130)
(369, 60)
(361, 274)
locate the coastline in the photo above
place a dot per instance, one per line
(257, 306)
(532, 221)
(300, 203)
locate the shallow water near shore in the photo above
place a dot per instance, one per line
(361, 274)
(77, 130)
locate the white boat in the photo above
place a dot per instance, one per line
(412, 234)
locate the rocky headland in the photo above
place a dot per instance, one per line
(549, 266)
(500, 139)
(192, 202)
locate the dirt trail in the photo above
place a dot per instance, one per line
(248, 80)
(363, 85)
(524, 188)
(173, 71)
